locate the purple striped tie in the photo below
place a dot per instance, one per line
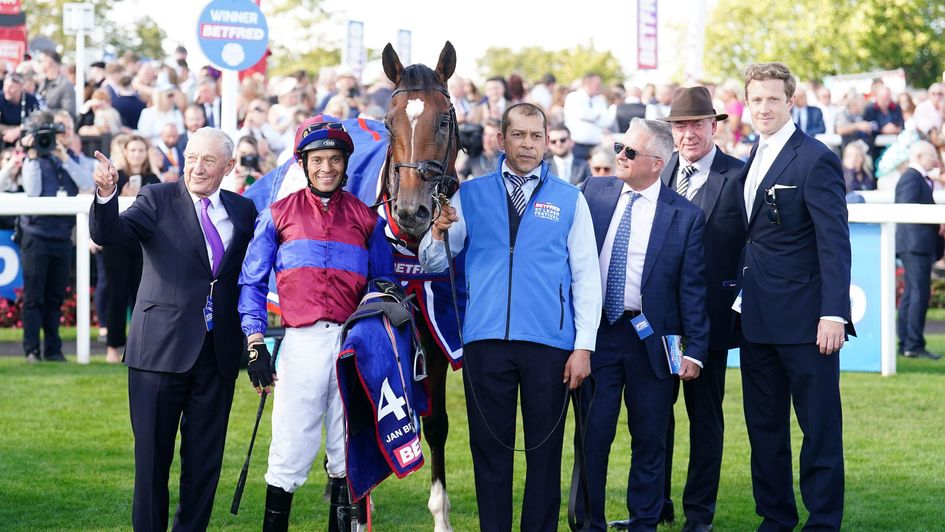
(213, 236)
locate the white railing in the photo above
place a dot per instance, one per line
(885, 214)
(78, 206)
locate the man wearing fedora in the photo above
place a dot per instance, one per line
(703, 174)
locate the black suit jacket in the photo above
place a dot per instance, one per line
(915, 238)
(797, 271)
(580, 170)
(724, 239)
(167, 325)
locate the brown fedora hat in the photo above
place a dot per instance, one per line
(692, 103)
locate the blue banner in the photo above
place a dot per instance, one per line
(11, 271)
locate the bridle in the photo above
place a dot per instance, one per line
(430, 170)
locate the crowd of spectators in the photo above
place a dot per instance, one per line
(158, 104)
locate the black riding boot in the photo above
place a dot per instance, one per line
(342, 515)
(278, 505)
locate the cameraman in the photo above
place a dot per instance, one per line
(51, 169)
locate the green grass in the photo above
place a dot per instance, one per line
(68, 334)
(66, 460)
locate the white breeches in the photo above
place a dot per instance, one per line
(305, 394)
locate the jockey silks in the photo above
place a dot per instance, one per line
(322, 259)
(502, 267)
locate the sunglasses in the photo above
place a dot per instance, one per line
(774, 217)
(559, 141)
(630, 152)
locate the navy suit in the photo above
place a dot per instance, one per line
(719, 199)
(794, 272)
(916, 247)
(179, 374)
(815, 120)
(674, 295)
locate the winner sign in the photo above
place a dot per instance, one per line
(233, 33)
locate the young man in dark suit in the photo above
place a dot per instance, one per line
(916, 247)
(649, 240)
(185, 341)
(706, 176)
(795, 307)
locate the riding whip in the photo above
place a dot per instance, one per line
(241, 483)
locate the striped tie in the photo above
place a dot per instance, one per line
(517, 196)
(683, 186)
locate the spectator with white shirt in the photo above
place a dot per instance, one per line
(587, 116)
(928, 114)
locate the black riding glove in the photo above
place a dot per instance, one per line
(260, 368)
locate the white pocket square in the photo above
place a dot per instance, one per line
(783, 187)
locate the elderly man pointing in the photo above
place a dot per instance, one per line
(185, 341)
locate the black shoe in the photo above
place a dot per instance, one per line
(620, 524)
(278, 506)
(55, 358)
(921, 353)
(692, 526)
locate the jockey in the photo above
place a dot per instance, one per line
(325, 245)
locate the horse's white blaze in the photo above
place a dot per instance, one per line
(414, 109)
(439, 505)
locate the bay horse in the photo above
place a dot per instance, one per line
(420, 164)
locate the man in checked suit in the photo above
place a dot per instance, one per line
(652, 267)
(795, 308)
(706, 176)
(185, 341)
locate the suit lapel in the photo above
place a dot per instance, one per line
(742, 181)
(188, 220)
(607, 203)
(662, 220)
(780, 164)
(713, 186)
(669, 171)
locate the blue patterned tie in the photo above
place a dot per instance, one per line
(617, 271)
(517, 196)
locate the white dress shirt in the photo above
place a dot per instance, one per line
(760, 165)
(701, 175)
(582, 258)
(216, 211)
(641, 222)
(563, 165)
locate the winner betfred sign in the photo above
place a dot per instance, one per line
(233, 33)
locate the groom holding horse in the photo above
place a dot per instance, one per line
(532, 316)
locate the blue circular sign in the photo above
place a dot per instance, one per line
(233, 33)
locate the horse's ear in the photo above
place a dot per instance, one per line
(392, 66)
(447, 63)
